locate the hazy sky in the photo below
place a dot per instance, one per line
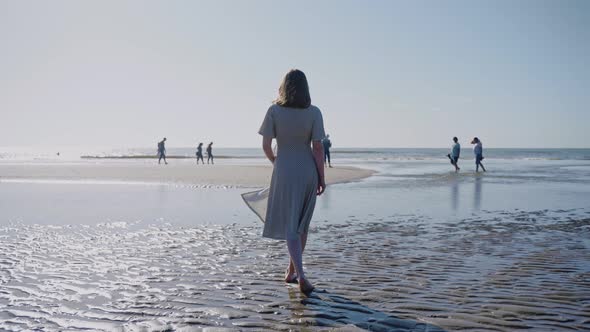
(384, 73)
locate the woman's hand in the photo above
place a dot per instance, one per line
(321, 187)
(267, 148)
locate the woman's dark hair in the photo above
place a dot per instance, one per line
(294, 91)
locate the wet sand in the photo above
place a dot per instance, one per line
(185, 173)
(500, 271)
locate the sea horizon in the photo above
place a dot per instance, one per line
(72, 153)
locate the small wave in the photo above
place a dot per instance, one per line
(122, 182)
(355, 151)
(133, 156)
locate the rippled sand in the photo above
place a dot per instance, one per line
(500, 271)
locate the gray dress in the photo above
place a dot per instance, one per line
(292, 192)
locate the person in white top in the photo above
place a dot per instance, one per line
(478, 151)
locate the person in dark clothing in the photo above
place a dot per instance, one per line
(454, 155)
(327, 145)
(478, 151)
(162, 151)
(209, 153)
(200, 153)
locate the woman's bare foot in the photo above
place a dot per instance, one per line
(290, 276)
(305, 286)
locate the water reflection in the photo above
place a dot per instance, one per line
(326, 198)
(295, 297)
(477, 192)
(455, 193)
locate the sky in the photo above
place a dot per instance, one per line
(384, 73)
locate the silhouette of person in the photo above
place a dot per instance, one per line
(327, 145)
(454, 155)
(478, 151)
(209, 153)
(200, 153)
(162, 151)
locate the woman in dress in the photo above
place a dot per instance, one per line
(298, 173)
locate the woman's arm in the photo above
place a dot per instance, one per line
(267, 147)
(318, 155)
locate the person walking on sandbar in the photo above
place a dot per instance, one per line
(199, 153)
(327, 145)
(478, 151)
(298, 172)
(162, 151)
(210, 153)
(454, 155)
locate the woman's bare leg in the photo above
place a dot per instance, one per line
(291, 273)
(296, 253)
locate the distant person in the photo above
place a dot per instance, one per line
(209, 153)
(298, 170)
(200, 153)
(478, 151)
(455, 152)
(327, 145)
(162, 151)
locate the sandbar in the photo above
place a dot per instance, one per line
(184, 173)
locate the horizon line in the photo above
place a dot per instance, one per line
(258, 147)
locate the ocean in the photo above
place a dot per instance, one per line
(344, 154)
(548, 178)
